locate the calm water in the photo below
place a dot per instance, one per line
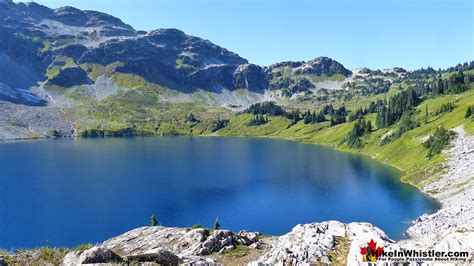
(67, 192)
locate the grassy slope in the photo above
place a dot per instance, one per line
(140, 107)
(238, 126)
(406, 153)
(143, 109)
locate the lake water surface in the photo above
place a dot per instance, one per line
(72, 191)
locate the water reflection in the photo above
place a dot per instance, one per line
(69, 192)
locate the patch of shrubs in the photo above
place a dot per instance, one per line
(438, 141)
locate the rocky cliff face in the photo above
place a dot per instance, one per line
(171, 58)
(34, 37)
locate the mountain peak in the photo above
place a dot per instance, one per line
(167, 56)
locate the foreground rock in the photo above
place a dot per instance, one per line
(164, 245)
(326, 242)
(91, 256)
(159, 256)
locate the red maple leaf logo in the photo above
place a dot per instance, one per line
(371, 252)
(372, 244)
(363, 251)
(379, 251)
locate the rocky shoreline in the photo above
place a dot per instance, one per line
(452, 226)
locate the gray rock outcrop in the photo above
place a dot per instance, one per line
(166, 245)
(158, 255)
(323, 242)
(93, 255)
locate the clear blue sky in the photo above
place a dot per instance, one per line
(366, 33)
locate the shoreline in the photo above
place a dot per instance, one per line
(413, 237)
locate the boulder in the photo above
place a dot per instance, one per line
(181, 241)
(247, 238)
(217, 241)
(159, 255)
(91, 256)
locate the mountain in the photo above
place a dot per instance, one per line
(79, 72)
(60, 48)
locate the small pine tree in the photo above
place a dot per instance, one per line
(154, 222)
(469, 111)
(426, 115)
(217, 224)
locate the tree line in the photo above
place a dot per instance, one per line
(390, 112)
(456, 83)
(272, 109)
(337, 115)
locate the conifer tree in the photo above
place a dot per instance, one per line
(217, 224)
(469, 111)
(154, 222)
(426, 114)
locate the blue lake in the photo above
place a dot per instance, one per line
(72, 191)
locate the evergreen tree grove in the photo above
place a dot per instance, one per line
(438, 141)
(360, 128)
